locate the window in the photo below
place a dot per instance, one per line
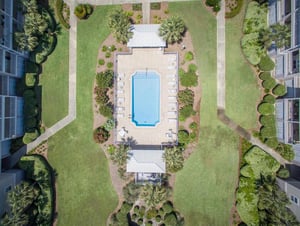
(294, 199)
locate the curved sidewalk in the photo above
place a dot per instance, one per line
(221, 91)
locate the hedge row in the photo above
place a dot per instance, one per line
(39, 170)
(59, 4)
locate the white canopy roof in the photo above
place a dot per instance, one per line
(146, 35)
(146, 161)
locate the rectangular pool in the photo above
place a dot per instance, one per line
(145, 98)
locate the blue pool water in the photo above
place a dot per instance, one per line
(145, 98)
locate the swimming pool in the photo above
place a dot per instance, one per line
(145, 98)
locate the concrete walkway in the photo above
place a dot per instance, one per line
(72, 84)
(221, 88)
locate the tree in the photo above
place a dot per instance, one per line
(120, 25)
(172, 29)
(174, 159)
(118, 155)
(154, 194)
(131, 192)
(20, 199)
(279, 34)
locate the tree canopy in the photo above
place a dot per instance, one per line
(172, 29)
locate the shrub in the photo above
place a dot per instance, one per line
(168, 207)
(283, 173)
(266, 108)
(109, 65)
(137, 7)
(83, 11)
(105, 79)
(188, 79)
(267, 120)
(185, 112)
(255, 18)
(268, 131)
(28, 93)
(193, 67)
(30, 136)
(170, 219)
(279, 90)
(30, 79)
(109, 124)
(59, 13)
(272, 142)
(31, 67)
(286, 151)
(101, 135)
(106, 111)
(269, 99)
(213, 3)
(252, 48)
(136, 208)
(266, 63)
(30, 110)
(107, 54)
(189, 56)
(155, 5)
(140, 221)
(183, 137)
(142, 211)
(193, 126)
(265, 75)
(158, 218)
(151, 213)
(236, 10)
(174, 159)
(30, 123)
(269, 83)
(104, 48)
(101, 95)
(101, 61)
(113, 47)
(186, 97)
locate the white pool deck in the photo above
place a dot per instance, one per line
(165, 64)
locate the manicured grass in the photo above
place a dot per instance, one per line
(85, 194)
(204, 189)
(54, 82)
(242, 90)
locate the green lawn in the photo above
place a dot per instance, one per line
(242, 90)
(54, 82)
(85, 194)
(204, 189)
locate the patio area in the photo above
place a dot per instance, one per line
(166, 66)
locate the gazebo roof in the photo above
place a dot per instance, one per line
(146, 161)
(146, 35)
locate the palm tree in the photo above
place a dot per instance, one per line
(174, 159)
(172, 29)
(279, 34)
(119, 22)
(119, 155)
(153, 195)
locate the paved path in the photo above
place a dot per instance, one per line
(221, 88)
(72, 85)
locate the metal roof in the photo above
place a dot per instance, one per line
(146, 35)
(146, 161)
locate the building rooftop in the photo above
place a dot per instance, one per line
(146, 35)
(146, 161)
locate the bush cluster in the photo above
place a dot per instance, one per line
(255, 20)
(185, 112)
(189, 78)
(236, 10)
(186, 97)
(101, 135)
(59, 12)
(266, 63)
(83, 11)
(215, 4)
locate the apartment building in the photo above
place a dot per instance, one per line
(288, 70)
(11, 106)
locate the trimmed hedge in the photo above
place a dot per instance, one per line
(30, 136)
(270, 83)
(286, 151)
(279, 90)
(268, 132)
(137, 7)
(266, 63)
(283, 173)
(266, 108)
(30, 79)
(59, 13)
(267, 120)
(269, 99)
(272, 142)
(265, 75)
